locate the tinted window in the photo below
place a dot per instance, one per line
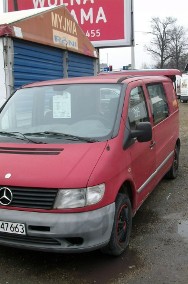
(158, 102)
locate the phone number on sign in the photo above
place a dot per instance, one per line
(93, 33)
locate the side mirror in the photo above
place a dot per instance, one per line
(143, 132)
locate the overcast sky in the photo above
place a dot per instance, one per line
(144, 10)
(1, 5)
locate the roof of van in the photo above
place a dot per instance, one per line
(112, 78)
(144, 72)
(185, 75)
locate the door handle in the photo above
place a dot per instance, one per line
(153, 143)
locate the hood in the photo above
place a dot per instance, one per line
(57, 166)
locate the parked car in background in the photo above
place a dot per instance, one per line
(184, 89)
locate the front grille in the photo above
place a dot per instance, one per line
(29, 240)
(38, 198)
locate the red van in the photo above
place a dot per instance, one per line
(79, 156)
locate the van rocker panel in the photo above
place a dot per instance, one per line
(60, 232)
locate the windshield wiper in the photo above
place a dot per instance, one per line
(59, 135)
(20, 136)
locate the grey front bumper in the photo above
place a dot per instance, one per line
(62, 232)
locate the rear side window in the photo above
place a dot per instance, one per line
(158, 102)
(138, 111)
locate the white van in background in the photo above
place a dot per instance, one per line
(184, 89)
(178, 86)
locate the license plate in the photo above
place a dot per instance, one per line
(13, 228)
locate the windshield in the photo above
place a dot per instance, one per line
(78, 110)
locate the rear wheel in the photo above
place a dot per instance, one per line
(121, 228)
(173, 172)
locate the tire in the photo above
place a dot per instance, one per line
(173, 172)
(122, 226)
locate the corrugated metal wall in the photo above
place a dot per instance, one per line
(80, 65)
(35, 62)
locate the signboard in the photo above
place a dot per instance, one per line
(106, 23)
(52, 26)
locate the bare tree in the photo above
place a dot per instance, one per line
(178, 48)
(160, 44)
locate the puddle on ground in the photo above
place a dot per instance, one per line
(183, 229)
(104, 268)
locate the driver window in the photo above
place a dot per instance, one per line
(158, 101)
(137, 111)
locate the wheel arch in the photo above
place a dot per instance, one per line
(178, 143)
(128, 188)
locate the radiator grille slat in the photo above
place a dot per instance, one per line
(33, 197)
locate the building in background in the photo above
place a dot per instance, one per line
(106, 23)
(42, 44)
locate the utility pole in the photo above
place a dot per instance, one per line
(4, 6)
(132, 57)
(133, 39)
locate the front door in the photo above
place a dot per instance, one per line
(143, 154)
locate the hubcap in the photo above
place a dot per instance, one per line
(122, 224)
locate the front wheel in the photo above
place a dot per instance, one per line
(173, 172)
(121, 228)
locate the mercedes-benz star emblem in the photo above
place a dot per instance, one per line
(5, 196)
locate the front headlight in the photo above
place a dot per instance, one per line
(75, 198)
(94, 194)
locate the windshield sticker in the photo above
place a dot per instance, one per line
(62, 106)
